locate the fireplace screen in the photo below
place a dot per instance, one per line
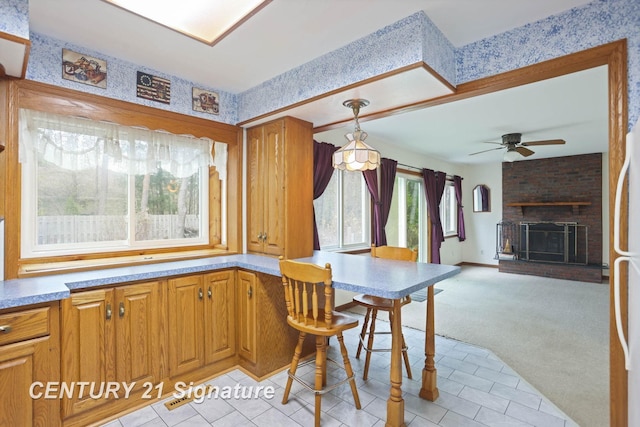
(562, 242)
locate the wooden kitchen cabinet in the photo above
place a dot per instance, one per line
(186, 324)
(280, 188)
(201, 320)
(154, 335)
(110, 335)
(88, 345)
(138, 336)
(266, 341)
(29, 354)
(247, 321)
(220, 316)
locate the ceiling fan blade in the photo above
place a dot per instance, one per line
(484, 151)
(524, 151)
(546, 142)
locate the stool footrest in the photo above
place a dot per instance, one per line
(326, 388)
(374, 350)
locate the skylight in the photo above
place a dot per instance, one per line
(208, 21)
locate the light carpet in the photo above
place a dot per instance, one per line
(552, 332)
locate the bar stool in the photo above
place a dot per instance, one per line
(375, 304)
(301, 282)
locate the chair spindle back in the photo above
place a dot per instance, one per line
(301, 281)
(394, 252)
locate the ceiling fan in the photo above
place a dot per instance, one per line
(512, 142)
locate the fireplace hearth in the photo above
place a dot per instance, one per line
(564, 242)
(545, 241)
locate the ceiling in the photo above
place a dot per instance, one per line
(571, 107)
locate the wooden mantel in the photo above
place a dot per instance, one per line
(574, 205)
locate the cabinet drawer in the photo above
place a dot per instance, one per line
(24, 325)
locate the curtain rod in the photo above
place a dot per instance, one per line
(420, 169)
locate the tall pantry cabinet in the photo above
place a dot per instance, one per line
(280, 188)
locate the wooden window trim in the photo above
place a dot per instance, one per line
(18, 94)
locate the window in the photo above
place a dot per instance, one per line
(343, 212)
(91, 187)
(405, 225)
(449, 210)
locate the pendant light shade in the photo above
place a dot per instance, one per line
(356, 155)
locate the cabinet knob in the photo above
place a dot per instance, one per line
(250, 291)
(209, 292)
(200, 294)
(5, 329)
(121, 309)
(108, 312)
(264, 237)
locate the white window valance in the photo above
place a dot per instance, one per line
(75, 143)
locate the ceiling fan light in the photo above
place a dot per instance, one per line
(512, 155)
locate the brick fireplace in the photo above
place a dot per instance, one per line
(562, 193)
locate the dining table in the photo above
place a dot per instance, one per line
(394, 280)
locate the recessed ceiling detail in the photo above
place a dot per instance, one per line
(14, 54)
(204, 20)
(394, 90)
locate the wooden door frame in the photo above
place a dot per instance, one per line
(614, 56)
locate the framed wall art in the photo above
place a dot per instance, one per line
(84, 69)
(153, 87)
(205, 101)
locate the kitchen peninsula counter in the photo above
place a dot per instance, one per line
(351, 273)
(193, 320)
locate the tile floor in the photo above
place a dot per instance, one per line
(476, 389)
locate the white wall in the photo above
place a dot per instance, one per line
(480, 246)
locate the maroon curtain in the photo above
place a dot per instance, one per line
(322, 172)
(388, 169)
(434, 183)
(457, 184)
(381, 199)
(371, 179)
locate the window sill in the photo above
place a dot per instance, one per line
(34, 269)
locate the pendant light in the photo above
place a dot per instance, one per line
(356, 155)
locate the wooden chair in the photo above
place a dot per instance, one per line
(375, 304)
(303, 288)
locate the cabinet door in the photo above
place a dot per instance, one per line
(16, 376)
(138, 333)
(255, 228)
(247, 297)
(186, 330)
(273, 179)
(219, 336)
(29, 360)
(88, 346)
